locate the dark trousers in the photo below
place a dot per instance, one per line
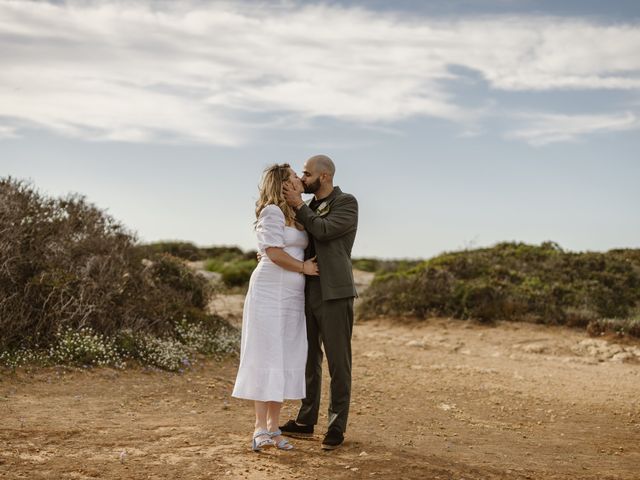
(329, 324)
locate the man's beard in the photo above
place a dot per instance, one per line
(312, 187)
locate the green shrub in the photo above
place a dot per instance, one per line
(214, 265)
(238, 273)
(618, 326)
(383, 266)
(235, 271)
(512, 281)
(366, 264)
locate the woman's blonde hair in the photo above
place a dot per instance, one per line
(271, 191)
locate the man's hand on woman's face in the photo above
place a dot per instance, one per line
(293, 192)
(297, 184)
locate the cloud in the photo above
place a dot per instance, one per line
(544, 129)
(8, 132)
(214, 72)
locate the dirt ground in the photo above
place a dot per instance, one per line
(437, 399)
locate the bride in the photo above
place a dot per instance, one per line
(273, 349)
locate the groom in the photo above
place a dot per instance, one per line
(331, 220)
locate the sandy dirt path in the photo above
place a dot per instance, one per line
(440, 399)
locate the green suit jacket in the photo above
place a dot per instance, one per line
(333, 231)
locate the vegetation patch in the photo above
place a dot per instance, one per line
(380, 266)
(235, 272)
(516, 281)
(75, 287)
(191, 252)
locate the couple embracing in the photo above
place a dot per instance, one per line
(300, 299)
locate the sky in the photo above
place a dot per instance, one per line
(456, 123)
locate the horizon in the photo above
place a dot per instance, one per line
(465, 248)
(454, 123)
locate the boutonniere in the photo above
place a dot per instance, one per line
(323, 209)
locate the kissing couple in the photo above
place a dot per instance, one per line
(299, 301)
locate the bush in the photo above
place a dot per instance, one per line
(366, 264)
(512, 281)
(383, 266)
(617, 326)
(72, 278)
(178, 284)
(235, 271)
(191, 252)
(84, 347)
(232, 263)
(185, 250)
(63, 263)
(238, 273)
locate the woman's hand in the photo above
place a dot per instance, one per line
(310, 267)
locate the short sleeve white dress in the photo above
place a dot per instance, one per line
(273, 349)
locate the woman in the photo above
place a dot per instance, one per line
(273, 349)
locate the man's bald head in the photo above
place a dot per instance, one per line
(322, 164)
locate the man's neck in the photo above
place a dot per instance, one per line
(323, 193)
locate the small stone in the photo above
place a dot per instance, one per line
(622, 356)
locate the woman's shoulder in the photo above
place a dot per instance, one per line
(271, 210)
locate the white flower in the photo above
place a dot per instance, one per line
(323, 209)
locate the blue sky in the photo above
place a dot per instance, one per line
(455, 123)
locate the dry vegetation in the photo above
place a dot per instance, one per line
(75, 287)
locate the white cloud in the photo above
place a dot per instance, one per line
(543, 129)
(8, 132)
(210, 72)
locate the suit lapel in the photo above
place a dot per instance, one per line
(332, 196)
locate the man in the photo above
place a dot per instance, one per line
(331, 220)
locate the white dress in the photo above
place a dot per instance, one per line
(273, 349)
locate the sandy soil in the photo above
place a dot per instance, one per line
(438, 399)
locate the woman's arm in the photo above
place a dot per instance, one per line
(284, 260)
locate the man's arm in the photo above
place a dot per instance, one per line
(342, 219)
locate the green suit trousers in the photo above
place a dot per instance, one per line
(329, 325)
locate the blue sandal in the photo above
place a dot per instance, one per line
(283, 444)
(257, 446)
